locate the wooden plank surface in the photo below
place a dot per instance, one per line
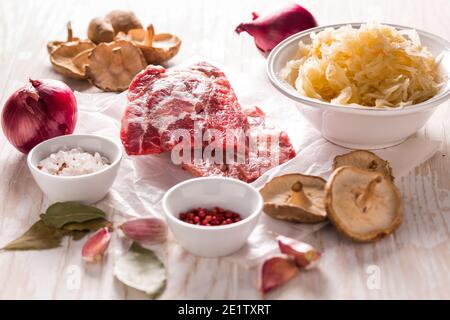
(414, 263)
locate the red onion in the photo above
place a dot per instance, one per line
(40, 110)
(269, 30)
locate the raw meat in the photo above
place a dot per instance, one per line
(198, 99)
(161, 101)
(257, 160)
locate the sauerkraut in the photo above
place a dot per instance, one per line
(373, 66)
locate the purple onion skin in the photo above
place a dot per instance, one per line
(270, 29)
(41, 110)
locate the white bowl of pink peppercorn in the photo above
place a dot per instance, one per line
(235, 204)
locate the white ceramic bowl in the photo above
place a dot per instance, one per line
(359, 127)
(88, 188)
(231, 194)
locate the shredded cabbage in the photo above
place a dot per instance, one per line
(374, 66)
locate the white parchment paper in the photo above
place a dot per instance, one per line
(143, 180)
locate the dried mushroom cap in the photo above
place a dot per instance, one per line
(295, 197)
(52, 45)
(165, 47)
(105, 29)
(157, 48)
(123, 20)
(365, 160)
(70, 58)
(100, 30)
(363, 205)
(113, 65)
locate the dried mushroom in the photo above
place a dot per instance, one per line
(157, 48)
(113, 65)
(71, 57)
(365, 160)
(363, 205)
(52, 45)
(123, 20)
(105, 29)
(100, 30)
(295, 197)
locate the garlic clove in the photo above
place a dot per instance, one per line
(305, 255)
(145, 230)
(277, 271)
(96, 246)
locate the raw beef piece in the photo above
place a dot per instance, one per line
(257, 160)
(161, 101)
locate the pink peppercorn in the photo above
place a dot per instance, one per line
(210, 217)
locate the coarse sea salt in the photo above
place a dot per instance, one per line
(73, 162)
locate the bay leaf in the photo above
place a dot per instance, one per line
(77, 234)
(62, 213)
(141, 269)
(39, 236)
(92, 225)
(77, 230)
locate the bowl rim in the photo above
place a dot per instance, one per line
(292, 94)
(252, 215)
(63, 137)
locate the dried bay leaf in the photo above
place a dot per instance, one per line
(79, 229)
(141, 269)
(92, 225)
(61, 219)
(77, 235)
(62, 213)
(39, 236)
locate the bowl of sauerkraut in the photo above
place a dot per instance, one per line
(363, 85)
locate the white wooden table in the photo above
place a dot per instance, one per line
(414, 263)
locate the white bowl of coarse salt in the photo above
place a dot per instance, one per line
(79, 167)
